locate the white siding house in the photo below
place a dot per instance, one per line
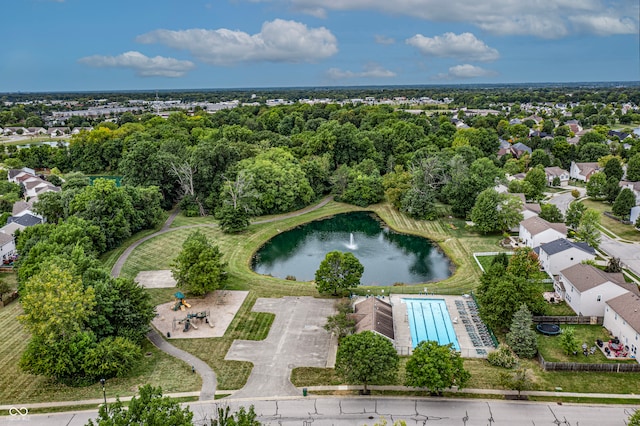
(586, 288)
(583, 171)
(562, 253)
(535, 231)
(553, 172)
(622, 319)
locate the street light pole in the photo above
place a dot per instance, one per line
(104, 393)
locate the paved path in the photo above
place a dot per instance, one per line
(296, 339)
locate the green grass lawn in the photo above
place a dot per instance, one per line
(17, 387)
(559, 309)
(628, 232)
(551, 348)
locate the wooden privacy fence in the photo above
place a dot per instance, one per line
(580, 366)
(569, 320)
(8, 298)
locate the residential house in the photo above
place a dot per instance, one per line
(58, 131)
(583, 171)
(36, 131)
(33, 185)
(536, 231)
(26, 220)
(618, 134)
(622, 319)
(560, 254)
(574, 126)
(556, 172)
(7, 245)
(520, 149)
(516, 150)
(10, 131)
(528, 209)
(586, 288)
(77, 130)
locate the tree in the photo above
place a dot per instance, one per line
(574, 214)
(519, 380)
(242, 417)
(568, 341)
(496, 212)
(538, 180)
(367, 358)
(613, 168)
(435, 367)
(149, 408)
(521, 337)
(625, 201)
(588, 228)
(633, 168)
(597, 186)
(55, 304)
(614, 265)
(551, 213)
(341, 324)
(338, 271)
(232, 220)
(199, 268)
(612, 190)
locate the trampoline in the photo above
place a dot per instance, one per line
(548, 329)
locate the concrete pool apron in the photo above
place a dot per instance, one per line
(403, 334)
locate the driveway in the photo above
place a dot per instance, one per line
(562, 200)
(296, 339)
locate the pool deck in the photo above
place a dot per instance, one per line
(403, 334)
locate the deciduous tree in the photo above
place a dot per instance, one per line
(199, 268)
(435, 367)
(588, 228)
(338, 271)
(367, 358)
(624, 203)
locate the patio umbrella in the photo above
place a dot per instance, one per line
(179, 295)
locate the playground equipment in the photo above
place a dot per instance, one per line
(180, 302)
(189, 321)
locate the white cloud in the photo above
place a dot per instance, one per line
(545, 19)
(370, 71)
(380, 39)
(144, 66)
(278, 41)
(604, 25)
(450, 45)
(465, 71)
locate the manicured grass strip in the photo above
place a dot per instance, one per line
(109, 258)
(182, 220)
(17, 387)
(622, 230)
(559, 309)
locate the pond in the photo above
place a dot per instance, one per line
(388, 257)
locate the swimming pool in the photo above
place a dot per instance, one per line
(429, 320)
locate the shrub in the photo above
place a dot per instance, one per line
(111, 357)
(290, 278)
(502, 357)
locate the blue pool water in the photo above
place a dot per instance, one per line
(429, 320)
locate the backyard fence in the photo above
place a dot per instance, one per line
(489, 253)
(580, 366)
(569, 320)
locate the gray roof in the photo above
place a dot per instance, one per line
(375, 315)
(586, 277)
(5, 238)
(25, 220)
(563, 244)
(628, 307)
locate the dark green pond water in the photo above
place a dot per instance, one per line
(387, 256)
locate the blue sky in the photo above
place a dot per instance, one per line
(77, 45)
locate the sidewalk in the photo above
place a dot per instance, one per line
(311, 389)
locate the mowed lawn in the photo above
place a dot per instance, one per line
(17, 387)
(628, 232)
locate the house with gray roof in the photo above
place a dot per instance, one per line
(560, 254)
(7, 245)
(535, 231)
(375, 315)
(26, 220)
(556, 172)
(586, 288)
(622, 319)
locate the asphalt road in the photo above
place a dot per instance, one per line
(367, 411)
(628, 253)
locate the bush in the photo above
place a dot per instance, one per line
(290, 278)
(111, 357)
(502, 357)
